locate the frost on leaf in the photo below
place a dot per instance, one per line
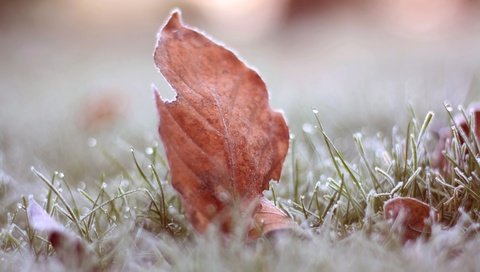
(222, 140)
(40, 220)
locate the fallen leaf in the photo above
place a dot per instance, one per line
(40, 220)
(222, 140)
(102, 109)
(268, 219)
(410, 217)
(445, 133)
(473, 110)
(69, 248)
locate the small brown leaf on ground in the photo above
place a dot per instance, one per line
(223, 141)
(69, 248)
(268, 219)
(445, 133)
(410, 216)
(102, 109)
(473, 110)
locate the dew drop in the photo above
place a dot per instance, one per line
(91, 142)
(223, 196)
(61, 175)
(104, 185)
(308, 128)
(149, 151)
(315, 110)
(124, 183)
(173, 226)
(448, 107)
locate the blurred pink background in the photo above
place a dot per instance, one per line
(73, 70)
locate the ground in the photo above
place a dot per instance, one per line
(78, 133)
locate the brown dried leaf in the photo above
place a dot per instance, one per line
(445, 133)
(223, 141)
(473, 110)
(269, 219)
(410, 216)
(69, 248)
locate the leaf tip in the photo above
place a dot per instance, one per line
(39, 219)
(174, 22)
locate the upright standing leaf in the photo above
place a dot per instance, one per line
(223, 141)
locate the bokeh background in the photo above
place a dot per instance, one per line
(75, 76)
